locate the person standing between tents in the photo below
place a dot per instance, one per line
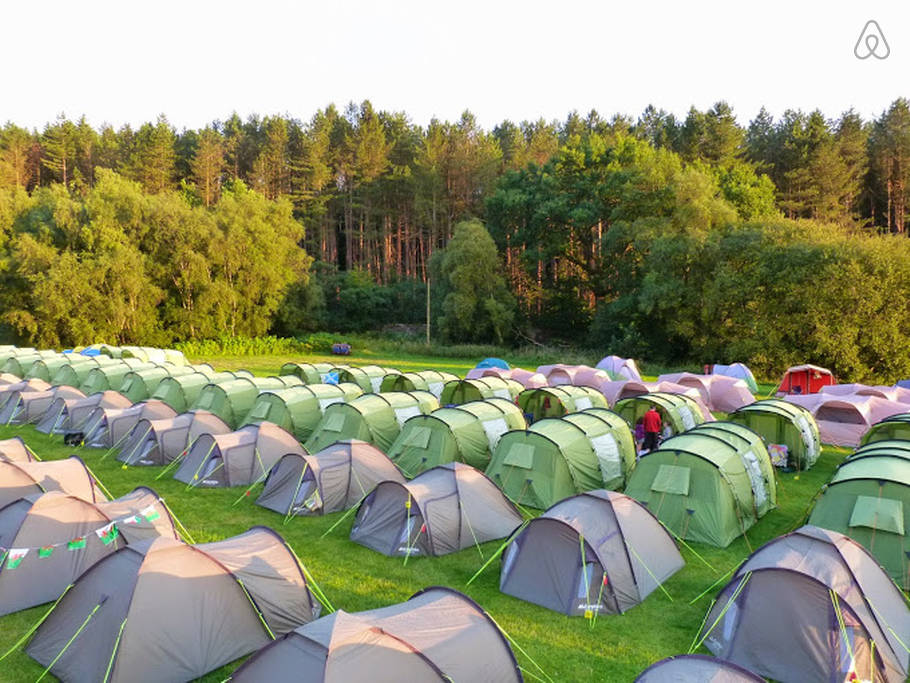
(652, 424)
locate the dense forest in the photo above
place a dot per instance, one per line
(674, 239)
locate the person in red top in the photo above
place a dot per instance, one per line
(652, 424)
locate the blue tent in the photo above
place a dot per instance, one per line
(904, 384)
(493, 363)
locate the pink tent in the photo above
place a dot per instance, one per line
(620, 367)
(890, 393)
(844, 418)
(528, 379)
(579, 375)
(719, 392)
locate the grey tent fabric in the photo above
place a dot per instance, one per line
(696, 669)
(52, 521)
(158, 442)
(597, 552)
(808, 606)
(336, 478)
(237, 458)
(108, 428)
(168, 611)
(445, 509)
(13, 389)
(16, 450)
(437, 635)
(18, 479)
(68, 415)
(28, 407)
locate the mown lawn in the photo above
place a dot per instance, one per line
(615, 648)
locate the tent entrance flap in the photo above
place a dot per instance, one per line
(607, 452)
(672, 479)
(882, 514)
(520, 455)
(418, 437)
(333, 423)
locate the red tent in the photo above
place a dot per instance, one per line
(805, 379)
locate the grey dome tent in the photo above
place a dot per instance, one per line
(311, 373)
(543, 402)
(458, 391)
(336, 478)
(597, 552)
(696, 669)
(68, 415)
(894, 427)
(784, 424)
(811, 605)
(108, 428)
(232, 400)
(16, 450)
(425, 380)
(109, 377)
(18, 479)
(299, 409)
(13, 389)
(367, 377)
(139, 385)
(181, 391)
(63, 535)
(159, 442)
(237, 458)
(437, 635)
(29, 407)
(161, 610)
(445, 509)
(467, 433)
(678, 411)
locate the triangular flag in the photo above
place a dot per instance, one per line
(46, 551)
(76, 543)
(150, 513)
(132, 519)
(14, 559)
(107, 534)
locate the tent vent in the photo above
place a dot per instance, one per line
(672, 479)
(520, 455)
(882, 514)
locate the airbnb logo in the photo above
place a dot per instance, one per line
(871, 42)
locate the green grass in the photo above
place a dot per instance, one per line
(615, 648)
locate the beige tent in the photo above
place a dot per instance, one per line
(16, 450)
(696, 669)
(68, 415)
(109, 428)
(28, 407)
(18, 479)
(159, 442)
(63, 535)
(437, 635)
(13, 389)
(161, 611)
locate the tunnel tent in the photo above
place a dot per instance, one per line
(374, 418)
(426, 380)
(7, 352)
(29, 407)
(175, 609)
(45, 526)
(894, 427)
(75, 374)
(612, 443)
(181, 391)
(299, 409)
(445, 509)
(311, 373)
(109, 428)
(467, 433)
(69, 415)
(46, 368)
(16, 450)
(739, 371)
(696, 669)
(70, 475)
(139, 385)
(438, 634)
(598, 552)
(897, 447)
(717, 392)
(19, 365)
(542, 402)
(155, 355)
(238, 458)
(458, 391)
(782, 423)
(109, 377)
(334, 479)
(677, 410)
(160, 442)
(619, 368)
(367, 377)
(232, 400)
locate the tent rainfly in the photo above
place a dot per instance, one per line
(336, 478)
(19, 479)
(718, 392)
(425, 380)
(29, 407)
(785, 424)
(677, 411)
(374, 418)
(597, 552)
(709, 485)
(445, 509)
(16, 450)
(139, 385)
(159, 442)
(811, 605)
(367, 377)
(537, 404)
(894, 427)
(311, 373)
(739, 371)
(237, 458)
(467, 433)
(166, 611)
(458, 391)
(559, 457)
(106, 428)
(231, 401)
(68, 415)
(437, 635)
(696, 669)
(51, 527)
(299, 409)
(109, 377)
(182, 391)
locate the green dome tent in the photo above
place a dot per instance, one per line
(309, 373)
(21, 364)
(139, 385)
(466, 433)
(14, 352)
(558, 457)
(458, 391)
(299, 409)
(109, 377)
(232, 400)
(75, 374)
(425, 380)
(868, 499)
(680, 411)
(786, 424)
(537, 404)
(180, 392)
(708, 485)
(367, 377)
(894, 427)
(46, 368)
(374, 418)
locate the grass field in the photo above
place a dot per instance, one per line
(614, 648)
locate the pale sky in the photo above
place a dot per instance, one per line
(126, 62)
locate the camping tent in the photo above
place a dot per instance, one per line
(597, 552)
(868, 499)
(578, 375)
(493, 363)
(311, 373)
(458, 391)
(710, 484)
(843, 419)
(620, 367)
(19, 364)
(109, 377)
(696, 669)
(527, 378)
(894, 427)
(182, 391)
(367, 377)
(16, 450)
(784, 424)
(537, 404)
(805, 379)
(28, 407)
(63, 535)
(718, 392)
(336, 478)
(68, 415)
(299, 409)
(677, 411)
(448, 508)
(558, 457)
(46, 368)
(437, 635)
(18, 479)
(13, 389)
(739, 371)
(109, 428)
(232, 400)
(425, 380)
(139, 385)
(158, 442)
(75, 374)
(811, 605)
(466, 433)
(149, 353)
(374, 418)
(237, 458)
(174, 612)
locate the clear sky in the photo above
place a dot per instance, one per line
(197, 61)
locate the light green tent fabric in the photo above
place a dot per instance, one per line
(45, 368)
(786, 424)
(139, 385)
(543, 402)
(232, 400)
(299, 409)
(894, 427)
(466, 433)
(309, 373)
(367, 377)
(21, 364)
(109, 377)
(426, 380)
(14, 352)
(459, 391)
(558, 457)
(374, 418)
(156, 355)
(182, 392)
(678, 410)
(75, 374)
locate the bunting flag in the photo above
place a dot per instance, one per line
(150, 513)
(14, 558)
(107, 534)
(132, 519)
(46, 551)
(76, 543)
